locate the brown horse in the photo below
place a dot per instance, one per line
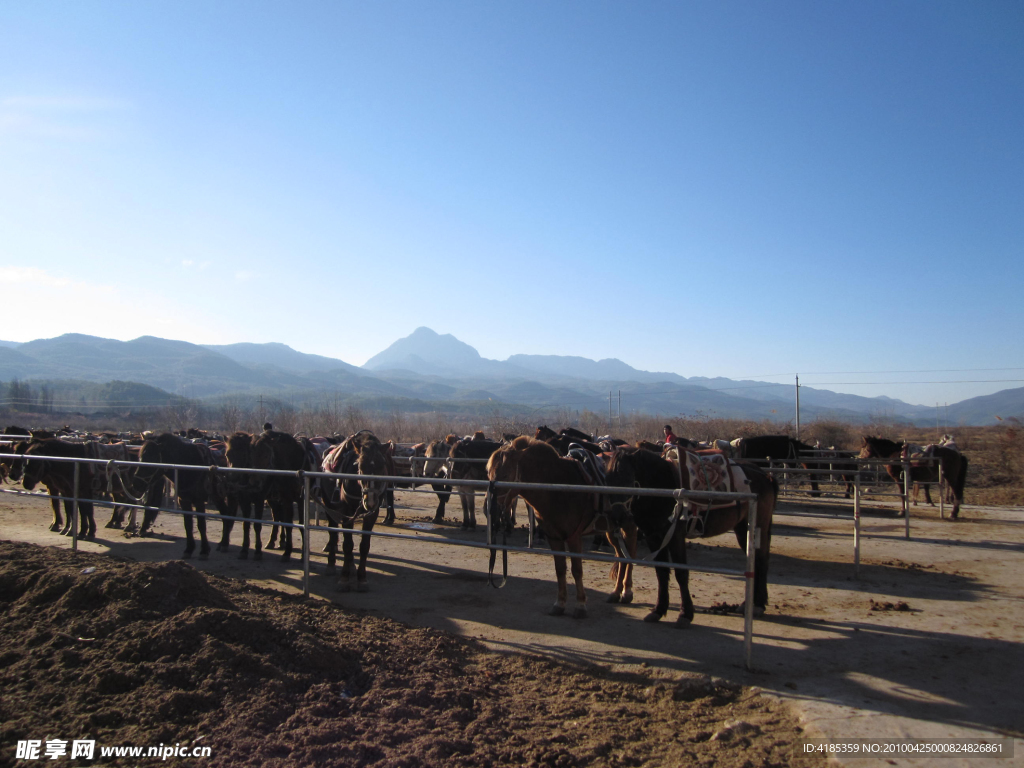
(666, 534)
(954, 468)
(354, 500)
(564, 516)
(244, 495)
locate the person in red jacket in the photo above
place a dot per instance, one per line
(670, 439)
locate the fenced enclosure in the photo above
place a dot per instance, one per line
(308, 525)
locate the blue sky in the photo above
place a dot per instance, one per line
(735, 189)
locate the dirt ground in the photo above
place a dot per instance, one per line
(925, 643)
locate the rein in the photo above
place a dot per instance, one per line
(492, 510)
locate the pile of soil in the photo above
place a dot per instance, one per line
(141, 654)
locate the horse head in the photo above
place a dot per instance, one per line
(545, 433)
(620, 472)
(30, 470)
(371, 460)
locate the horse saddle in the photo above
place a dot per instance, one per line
(708, 472)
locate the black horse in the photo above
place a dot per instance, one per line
(59, 479)
(195, 488)
(666, 536)
(465, 464)
(280, 450)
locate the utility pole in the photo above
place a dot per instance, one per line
(798, 406)
(619, 412)
(609, 411)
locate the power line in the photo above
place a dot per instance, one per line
(853, 373)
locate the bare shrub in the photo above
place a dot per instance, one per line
(831, 433)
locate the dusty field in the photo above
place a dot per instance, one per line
(925, 643)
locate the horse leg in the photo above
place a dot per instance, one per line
(389, 517)
(622, 573)
(676, 551)
(227, 523)
(344, 582)
(68, 518)
(58, 521)
(575, 544)
(765, 510)
(190, 539)
(364, 551)
(558, 608)
(274, 529)
(332, 550)
(444, 492)
(928, 495)
(88, 521)
(283, 514)
(468, 500)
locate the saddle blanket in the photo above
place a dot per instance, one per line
(332, 459)
(711, 472)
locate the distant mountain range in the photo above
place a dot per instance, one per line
(429, 371)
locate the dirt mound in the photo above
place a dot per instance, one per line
(140, 654)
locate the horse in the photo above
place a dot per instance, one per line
(194, 487)
(564, 516)
(647, 445)
(436, 454)
(782, 448)
(279, 450)
(954, 468)
(243, 495)
(59, 479)
(361, 454)
(459, 469)
(561, 443)
(666, 534)
(575, 434)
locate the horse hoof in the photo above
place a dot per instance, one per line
(343, 586)
(186, 555)
(580, 612)
(362, 586)
(257, 556)
(613, 598)
(271, 546)
(556, 610)
(759, 611)
(243, 555)
(626, 598)
(652, 617)
(204, 555)
(683, 622)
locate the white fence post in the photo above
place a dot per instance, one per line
(856, 526)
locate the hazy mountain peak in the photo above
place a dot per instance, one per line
(426, 351)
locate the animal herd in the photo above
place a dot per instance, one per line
(134, 473)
